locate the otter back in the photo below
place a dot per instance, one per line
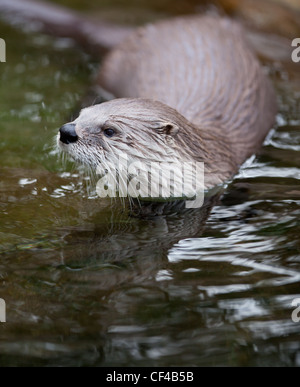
(203, 67)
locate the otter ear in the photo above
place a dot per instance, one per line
(169, 129)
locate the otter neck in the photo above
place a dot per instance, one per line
(198, 144)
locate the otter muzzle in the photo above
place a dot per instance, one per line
(68, 134)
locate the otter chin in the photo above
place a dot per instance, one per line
(188, 90)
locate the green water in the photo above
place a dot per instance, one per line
(86, 284)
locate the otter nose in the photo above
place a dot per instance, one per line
(68, 134)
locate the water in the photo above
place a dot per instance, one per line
(87, 285)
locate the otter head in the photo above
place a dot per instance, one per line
(148, 133)
(142, 129)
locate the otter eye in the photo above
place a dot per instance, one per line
(109, 132)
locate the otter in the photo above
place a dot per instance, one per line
(188, 89)
(185, 89)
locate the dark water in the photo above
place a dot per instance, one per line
(86, 284)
